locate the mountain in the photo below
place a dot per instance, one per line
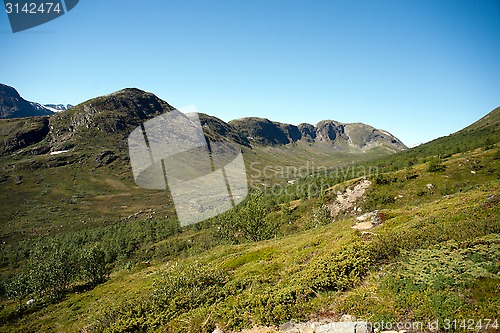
(12, 105)
(277, 258)
(84, 249)
(58, 107)
(483, 133)
(357, 136)
(108, 120)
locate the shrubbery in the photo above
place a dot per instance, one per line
(435, 166)
(248, 222)
(440, 276)
(52, 271)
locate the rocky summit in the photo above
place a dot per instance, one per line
(12, 105)
(108, 120)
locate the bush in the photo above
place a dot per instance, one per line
(435, 166)
(249, 222)
(93, 265)
(433, 281)
(340, 270)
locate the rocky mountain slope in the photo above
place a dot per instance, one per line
(12, 105)
(107, 121)
(354, 136)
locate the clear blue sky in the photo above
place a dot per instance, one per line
(417, 68)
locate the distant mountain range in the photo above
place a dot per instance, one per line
(12, 105)
(120, 112)
(356, 135)
(57, 107)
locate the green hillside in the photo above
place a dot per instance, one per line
(97, 254)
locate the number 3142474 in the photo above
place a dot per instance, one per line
(33, 8)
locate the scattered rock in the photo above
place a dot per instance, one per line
(491, 200)
(363, 226)
(348, 324)
(30, 302)
(347, 199)
(347, 317)
(368, 221)
(430, 187)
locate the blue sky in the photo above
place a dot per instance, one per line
(419, 69)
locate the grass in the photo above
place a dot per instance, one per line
(276, 257)
(326, 269)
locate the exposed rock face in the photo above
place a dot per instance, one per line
(358, 136)
(292, 132)
(329, 131)
(346, 200)
(219, 130)
(12, 105)
(261, 131)
(308, 132)
(15, 135)
(322, 326)
(368, 221)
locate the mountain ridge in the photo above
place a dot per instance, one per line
(12, 105)
(121, 111)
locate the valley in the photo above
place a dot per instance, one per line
(97, 253)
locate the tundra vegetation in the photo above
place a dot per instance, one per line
(279, 256)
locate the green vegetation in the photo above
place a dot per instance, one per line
(122, 266)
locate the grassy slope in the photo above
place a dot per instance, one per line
(49, 195)
(274, 280)
(329, 269)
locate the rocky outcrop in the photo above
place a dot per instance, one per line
(308, 132)
(368, 221)
(261, 131)
(357, 136)
(347, 324)
(19, 134)
(346, 201)
(12, 105)
(218, 130)
(329, 131)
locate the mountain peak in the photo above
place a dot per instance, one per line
(120, 111)
(129, 92)
(344, 136)
(12, 105)
(8, 91)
